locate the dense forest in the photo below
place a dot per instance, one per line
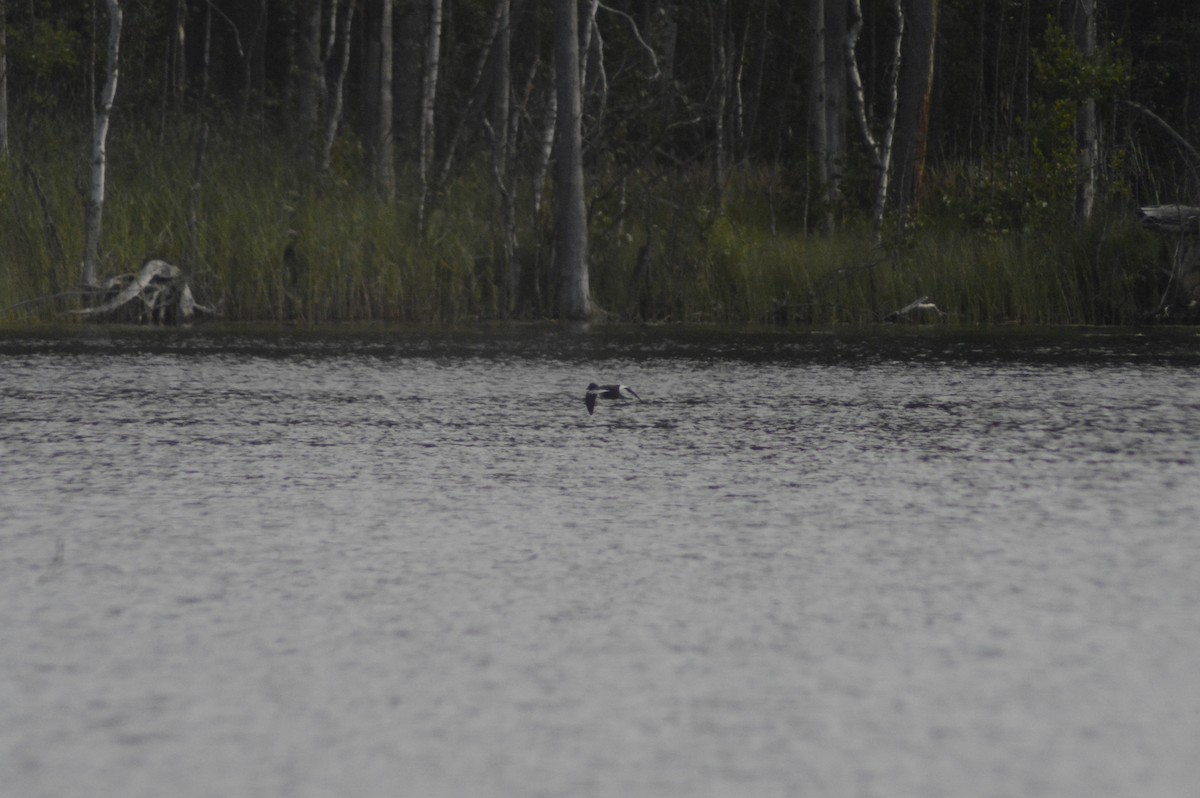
(762, 161)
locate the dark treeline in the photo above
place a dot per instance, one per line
(327, 159)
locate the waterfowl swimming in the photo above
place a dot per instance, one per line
(595, 392)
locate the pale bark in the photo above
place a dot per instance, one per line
(158, 293)
(881, 148)
(333, 114)
(179, 51)
(385, 148)
(592, 48)
(570, 217)
(94, 210)
(1086, 137)
(429, 88)
(546, 142)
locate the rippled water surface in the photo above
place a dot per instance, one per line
(405, 564)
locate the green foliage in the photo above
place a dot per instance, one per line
(1064, 73)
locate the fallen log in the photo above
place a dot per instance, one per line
(1174, 218)
(159, 294)
(1180, 227)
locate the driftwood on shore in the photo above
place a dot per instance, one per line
(159, 294)
(1175, 218)
(1180, 227)
(917, 311)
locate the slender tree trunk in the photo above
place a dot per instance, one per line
(178, 50)
(3, 82)
(881, 149)
(889, 127)
(254, 55)
(546, 142)
(916, 100)
(385, 148)
(836, 12)
(94, 210)
(504, 131)
(818, 128)
(193, 225)
(205, 68)
(479, 92)
(570, 216)
(1086, 136)
(409, 70)
(593, 89)
(309, 68)
(720, 99)
(333, 114)
(429, 87)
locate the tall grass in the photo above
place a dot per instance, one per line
(273, 245)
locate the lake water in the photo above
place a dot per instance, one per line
(401, 563)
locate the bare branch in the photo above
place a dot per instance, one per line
(1163, 123)
(237, 39)
(637, 35)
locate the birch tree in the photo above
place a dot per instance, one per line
(429, 86)
(881, 147)
(333, 113)
(570, 212)
(94, 208)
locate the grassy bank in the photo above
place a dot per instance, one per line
(272, 245)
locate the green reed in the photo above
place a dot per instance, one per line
(272, 243)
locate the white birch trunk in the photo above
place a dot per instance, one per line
(881, 149)
(429, 86)
(94, 210)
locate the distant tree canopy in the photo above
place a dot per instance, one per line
(689, 84)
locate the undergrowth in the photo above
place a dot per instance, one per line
(273, 244)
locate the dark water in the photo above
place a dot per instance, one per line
(397, 563)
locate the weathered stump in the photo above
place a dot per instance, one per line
(158, 294)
